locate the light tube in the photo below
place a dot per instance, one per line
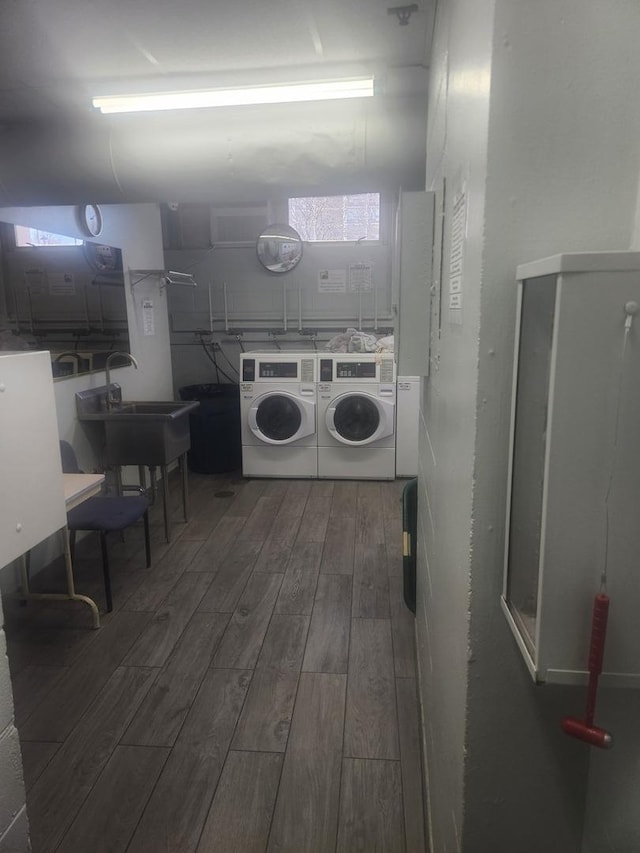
(324, 90)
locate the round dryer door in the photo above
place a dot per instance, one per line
(359, 418)
(281, 418)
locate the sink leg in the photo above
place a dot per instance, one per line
(165, 502)
(185, 489)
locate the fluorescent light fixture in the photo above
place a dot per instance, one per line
(324, 90)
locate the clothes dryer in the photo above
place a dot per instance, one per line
(356, 416)
(278, 414)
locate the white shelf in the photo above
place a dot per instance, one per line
(574, 262)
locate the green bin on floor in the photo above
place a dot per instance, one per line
(409, 531)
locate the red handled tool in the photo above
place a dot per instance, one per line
(585, 729)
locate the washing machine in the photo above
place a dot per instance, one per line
(356, 416)
(278, 405)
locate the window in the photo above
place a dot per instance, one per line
(339, 218)
(26, 237)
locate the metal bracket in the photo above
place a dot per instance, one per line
(178, 279)
(403, 13)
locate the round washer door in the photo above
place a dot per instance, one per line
(358, 418)
(281, 418)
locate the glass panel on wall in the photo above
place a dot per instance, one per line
(61, 294)
(529, 452)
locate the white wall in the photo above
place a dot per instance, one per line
(564, 146)
(456, 151)
(537, 106)
(612, 820)
(414, 275)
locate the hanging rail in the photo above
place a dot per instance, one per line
(178, 279)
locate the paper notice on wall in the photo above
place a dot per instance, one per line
(360, 277)
(61, 284)
(458, 236)
(34, 280)
(332, 281)
(148, 318)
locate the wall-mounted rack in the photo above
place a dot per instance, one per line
(108, 279)
(322, 326)
(169, 277)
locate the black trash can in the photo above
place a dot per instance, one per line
(409, 534)
(216, 445)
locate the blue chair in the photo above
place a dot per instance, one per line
(104, 514)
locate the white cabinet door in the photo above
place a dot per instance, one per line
(32, 503)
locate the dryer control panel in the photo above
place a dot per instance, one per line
(278, 370)
(276, 367)
(357, 368)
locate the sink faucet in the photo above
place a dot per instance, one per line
(107, 367)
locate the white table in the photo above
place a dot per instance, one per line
(77, 488)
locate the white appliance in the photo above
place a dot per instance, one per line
(357, 416)
(278, 414)
(407, 419)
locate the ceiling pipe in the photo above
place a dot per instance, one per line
(237, 158)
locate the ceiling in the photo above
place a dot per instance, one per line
(56, 54)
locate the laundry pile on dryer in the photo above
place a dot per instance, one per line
(353, 340)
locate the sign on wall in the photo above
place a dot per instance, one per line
(456, 259)
(332, 281)
(61, 284)
(360, 277)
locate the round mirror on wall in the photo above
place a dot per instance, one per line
(279, 248)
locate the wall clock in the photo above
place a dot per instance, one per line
(90, 219)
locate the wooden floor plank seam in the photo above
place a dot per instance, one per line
(215, 790)
(346, 692)
(266, 648)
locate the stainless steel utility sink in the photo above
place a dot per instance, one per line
(148, 409)
(146, 432)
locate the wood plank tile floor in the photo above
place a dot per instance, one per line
(254, 690)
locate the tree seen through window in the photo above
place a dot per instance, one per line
(343, 218)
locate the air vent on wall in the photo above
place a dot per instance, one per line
(237, 225)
